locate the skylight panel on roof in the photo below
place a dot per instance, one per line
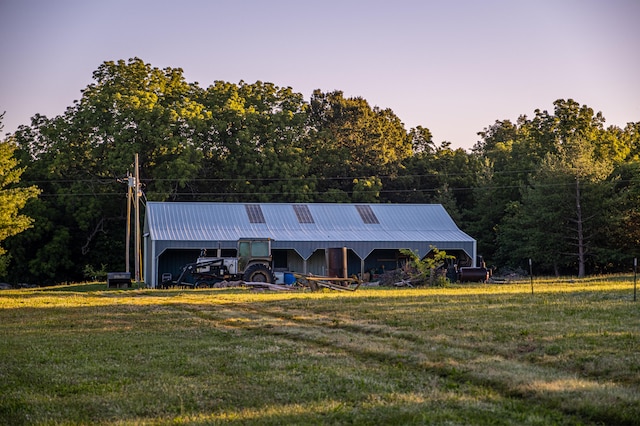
(303, 213)
(367, 214)
(254, 211)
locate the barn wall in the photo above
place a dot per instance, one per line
(175, 233)
(172, 261)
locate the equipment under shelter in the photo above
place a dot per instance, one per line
(302, 235)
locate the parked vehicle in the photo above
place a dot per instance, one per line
(253, 264)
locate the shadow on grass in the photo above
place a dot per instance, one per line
(167, 364)
(194, 360)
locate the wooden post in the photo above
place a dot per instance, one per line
(531, 274)
(344, 262)
(635, 278)
(127, 254)
(137, 224)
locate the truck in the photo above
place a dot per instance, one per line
(252, 264)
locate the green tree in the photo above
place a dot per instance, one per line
(85, 154)
(506, 163)
(253, 143)
(619, 236)
(366, 190)
(631, 137)
(132, 108)
(514, 154)
(561, 210)
(350, 140)
(13, 197)
(435, 174)
(424, 270)
(415, 181)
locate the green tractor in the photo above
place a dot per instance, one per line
(253, 264)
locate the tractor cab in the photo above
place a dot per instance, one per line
(253, 250)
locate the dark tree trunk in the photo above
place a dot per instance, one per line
(580, 236)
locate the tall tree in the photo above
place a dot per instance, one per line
(253, 143)
(84, 154)
(350, 140)
(619, 235)
(13, 197)
(135, 108)
(415, 181)
(631, 137)
(514, 153)
(436, 174)
(561, 209)
(505, 168)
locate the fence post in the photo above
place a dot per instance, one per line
(531, 274)
(635, 277)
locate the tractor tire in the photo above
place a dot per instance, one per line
(259, 273)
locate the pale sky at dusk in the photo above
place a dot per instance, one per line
(451, 66)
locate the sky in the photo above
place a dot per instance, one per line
(452, 66)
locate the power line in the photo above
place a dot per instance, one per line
(281, 193)
(274, 179)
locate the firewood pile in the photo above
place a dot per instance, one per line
(408, 277)
(253, 285)
(405, 276)
(315, 282)
(303, 282)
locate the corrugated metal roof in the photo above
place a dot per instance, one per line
(304, 228)
(335, 222)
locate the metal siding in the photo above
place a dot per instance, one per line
(172, 261)
(192, 225)
(218, 221)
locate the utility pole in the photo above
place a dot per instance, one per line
(130, 185)
(134, 191)
(138, 253)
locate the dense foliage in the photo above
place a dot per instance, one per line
(12, 198)
(559, 188)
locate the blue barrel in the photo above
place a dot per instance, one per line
(289, 278)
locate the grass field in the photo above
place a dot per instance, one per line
(473, 354)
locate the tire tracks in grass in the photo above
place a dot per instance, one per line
(455, 362)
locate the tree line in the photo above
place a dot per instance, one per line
(557, 187)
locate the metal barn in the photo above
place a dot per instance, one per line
(301, 234)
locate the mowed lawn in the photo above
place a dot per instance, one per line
(468, 354)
